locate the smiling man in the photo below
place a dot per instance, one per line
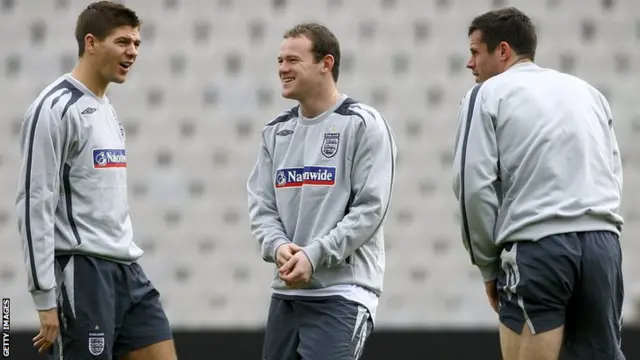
(93, 299)
(318, 197)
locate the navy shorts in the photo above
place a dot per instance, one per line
(572, 280)
(106, 309)
(315, 328)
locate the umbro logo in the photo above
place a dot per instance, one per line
(284, 133)
(88, 111)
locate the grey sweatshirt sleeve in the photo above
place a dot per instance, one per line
(43, 148)
(264, 218)
(372, 177)
(615, 156)
(617, 160)
(476, 183)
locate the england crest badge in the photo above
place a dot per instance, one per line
(96, 343)
(330, 144)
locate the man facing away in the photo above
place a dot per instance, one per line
(318, 197)
(539, 179)
(93, 299)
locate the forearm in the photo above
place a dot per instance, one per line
(477, 181)
(35, 219)
(355, 229)
(266, 228)
(264, 218)
(482, 212)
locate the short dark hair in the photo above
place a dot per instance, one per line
(323, 43)
(509, 25)
(101, 18)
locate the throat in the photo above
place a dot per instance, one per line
(92, 80)
(316, 106)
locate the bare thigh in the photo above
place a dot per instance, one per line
(526, 346)
(164, 350)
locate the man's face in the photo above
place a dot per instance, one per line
(483, 63)
(299, 72)
(115, 55)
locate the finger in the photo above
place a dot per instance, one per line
(295, 248)
(284, 275)
(43, 348)
(288, 266)
(38, 337)
(38, 343)
(292, 277)
(52, 333)
(287, 256)
(283, 259)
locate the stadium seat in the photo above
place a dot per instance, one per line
(205, 84)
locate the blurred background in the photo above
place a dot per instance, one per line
(204, 85)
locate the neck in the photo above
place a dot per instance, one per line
(90, 78)
(320, 101)
(516, 60)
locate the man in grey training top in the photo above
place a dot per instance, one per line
(318, 196)
(539, 179)
(93, 299)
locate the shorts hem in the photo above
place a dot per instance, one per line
(143, 342)
(548, 326)
(514, 325)
(518, 325)
(573, 356)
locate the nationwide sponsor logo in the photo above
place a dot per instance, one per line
(304, 176)
(109, 158)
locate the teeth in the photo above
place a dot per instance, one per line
(286, 80)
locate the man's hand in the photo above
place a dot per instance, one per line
(296, 272)
(285, 252)
(49, 328)
(492, 293)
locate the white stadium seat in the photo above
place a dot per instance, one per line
(205, 84)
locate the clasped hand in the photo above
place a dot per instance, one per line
(294, 266)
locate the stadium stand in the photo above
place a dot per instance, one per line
(204, 84)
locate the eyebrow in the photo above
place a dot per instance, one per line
(288, 57)
(137, 41)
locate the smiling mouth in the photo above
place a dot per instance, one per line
(287, 80)
(126, 64)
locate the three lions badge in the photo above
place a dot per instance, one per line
(330, 143)
(96, 343)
